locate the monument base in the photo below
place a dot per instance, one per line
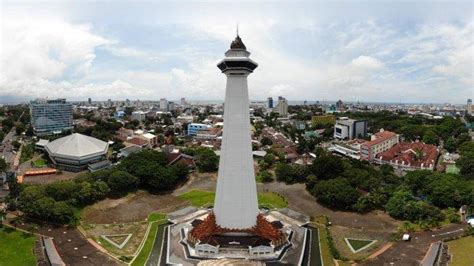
(185, 247)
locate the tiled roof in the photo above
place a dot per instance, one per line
(406, 152)
(380, 137)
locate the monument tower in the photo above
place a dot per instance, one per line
(236, 203)
(235, 228)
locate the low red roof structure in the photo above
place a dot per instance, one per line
(410, 156)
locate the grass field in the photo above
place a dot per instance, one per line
(16, 248)
(39, 163)
(324, 245)
(461, 251)
(201, 198)
(156, 219)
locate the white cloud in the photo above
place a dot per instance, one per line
(359, 59)
(366, 62)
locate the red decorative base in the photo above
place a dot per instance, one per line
(209, 228)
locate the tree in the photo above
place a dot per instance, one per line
(16, 145)
(265, 176)
(450, 145)
(430, 138)
(396, 204)
(466, 166)
(447, 190)
(266, 141)
(327, 166)
(336, 193)
(20, 128)
(29, 131)
(3, 165)
(206, 160)
(121, 181)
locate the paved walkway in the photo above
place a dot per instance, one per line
(412, 252)
(155, 254)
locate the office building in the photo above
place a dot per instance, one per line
(183, 102)
(163, 104)
(282, 106)
(270, 102)
(380, 142)
(171, 106)
(194, 128)
(346, 128)
(139, 116)
(469, 107)
(50, 117)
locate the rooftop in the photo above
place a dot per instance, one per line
(77, 145)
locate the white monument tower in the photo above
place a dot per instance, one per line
(236, 204)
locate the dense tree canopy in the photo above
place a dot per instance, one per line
(336, 193)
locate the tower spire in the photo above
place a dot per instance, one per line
(237, 31)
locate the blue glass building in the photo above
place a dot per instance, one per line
(51, 116)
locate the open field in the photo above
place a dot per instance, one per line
(199, 198)
(339, 233)
(133, 207)
(136, 229)
(16, 248)
(461, 251)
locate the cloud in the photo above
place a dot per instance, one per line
(366, 62)
(77, 53)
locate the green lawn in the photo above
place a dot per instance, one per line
(201, 198)
(198, 198)
(358, 243)
(461, 251)
(270, 199)
(16, 248)
(325, 252)
(39, 163)
(153, 217)
(27, 152)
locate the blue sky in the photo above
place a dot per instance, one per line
(382, 51)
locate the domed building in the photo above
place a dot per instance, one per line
(76, 152)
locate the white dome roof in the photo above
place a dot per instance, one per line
(77, 146)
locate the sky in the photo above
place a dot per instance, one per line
(377, 51)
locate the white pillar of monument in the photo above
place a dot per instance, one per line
(236, 204)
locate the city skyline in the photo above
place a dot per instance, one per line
(389, 52)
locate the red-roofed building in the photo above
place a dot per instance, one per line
(410, 156)
(138, 141)
(380, 142)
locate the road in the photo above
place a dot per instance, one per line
(7, 151)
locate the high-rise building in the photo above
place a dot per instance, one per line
(163, 104)
(183, 102)
(339, 105)
(51, 116)
(270, 102)
(171, 106)
(469, 107)
(89, 101)
(282, 106)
